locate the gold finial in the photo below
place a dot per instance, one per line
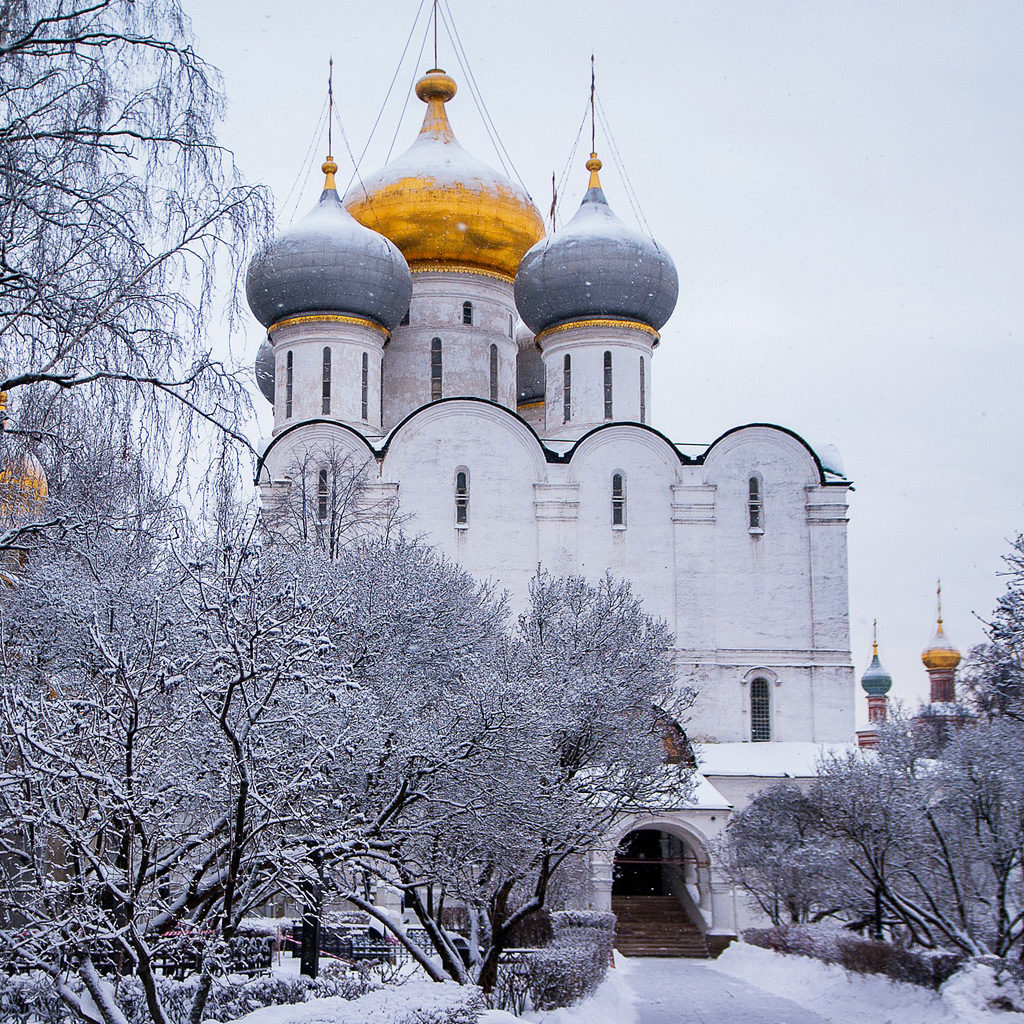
(594, 165)
(330, 168)
(874, 637)
(436, 88)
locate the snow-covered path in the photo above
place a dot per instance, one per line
(681, 991)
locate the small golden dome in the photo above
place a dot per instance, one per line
(940, 654)
(22, 485)
(441, 206)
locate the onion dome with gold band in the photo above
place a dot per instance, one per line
(593, 267)
(940, 654)
(442, 207)
(876, 681)
(266, 370)
(328, 262)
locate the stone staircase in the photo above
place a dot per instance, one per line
(656, 926)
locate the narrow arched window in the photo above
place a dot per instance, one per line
(467, 313)
(760, 711)
(321, 495)
(462, 497)
(607, 385)
(405, 319)
(327, 382)
(619, 500)
(288, 382)
(755, 505)
(435, 369)
(494, 373)
(566, 389)
(510, 331)
(643, 391)
(382, 394)
(365, 404)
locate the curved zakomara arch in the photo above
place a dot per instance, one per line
(684, 830)
(723, 442)
(319, 421)
(633, 433)
(546, 454)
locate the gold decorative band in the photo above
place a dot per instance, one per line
(437, 267)
(330, 318)
(632, 325)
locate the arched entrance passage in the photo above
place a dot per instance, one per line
(656, 895)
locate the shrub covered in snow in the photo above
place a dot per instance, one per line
(416, 1002)
(863, 956)
(32, 999)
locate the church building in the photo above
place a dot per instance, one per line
(498, 383)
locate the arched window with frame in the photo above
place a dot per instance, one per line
(382, 394)
(755, 504)
(322, 495)
(462, 497)
(607, 385)
(289, 380)
(326, 392)
(567, 388)
(365, 389)
(467, 314)
(760, 711)
(643, 391)
(494, 373)
(435, 369)
(618, 500)
(511, 332)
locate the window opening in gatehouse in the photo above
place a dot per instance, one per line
(435, 369)
(619, 501)
(760, 711)
(462, 497)
(467, 313)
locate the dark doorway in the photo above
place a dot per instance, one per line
(640, 865)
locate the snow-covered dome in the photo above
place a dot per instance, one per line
(329, 262)
(594, 267)
(440, 205)
(266, 370)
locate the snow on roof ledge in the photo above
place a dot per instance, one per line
(787, 760)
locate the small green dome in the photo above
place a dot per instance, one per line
(876, 681)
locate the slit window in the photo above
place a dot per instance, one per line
(755, 505)
(467, 313)
(510, 334)
(321, 495)
(643, 391)
(567, 389)
(494, 373)
(462, 497)
(365, 398)
(435, 369)
(619, 501)
(382, 394)
(760, 711)
(289, 380)
(607, 385)
(326, 408)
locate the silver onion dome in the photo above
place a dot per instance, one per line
(328, 262)
(265, 370)
(595, 266)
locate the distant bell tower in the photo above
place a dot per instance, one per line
(876, 683)
(940, 659)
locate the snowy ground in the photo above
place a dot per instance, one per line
(749, 985)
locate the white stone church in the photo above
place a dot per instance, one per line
(499, 381)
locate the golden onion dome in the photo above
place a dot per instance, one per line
(940, 654)
(441, 206)
(22, 485)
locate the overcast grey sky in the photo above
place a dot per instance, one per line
(839, 184)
